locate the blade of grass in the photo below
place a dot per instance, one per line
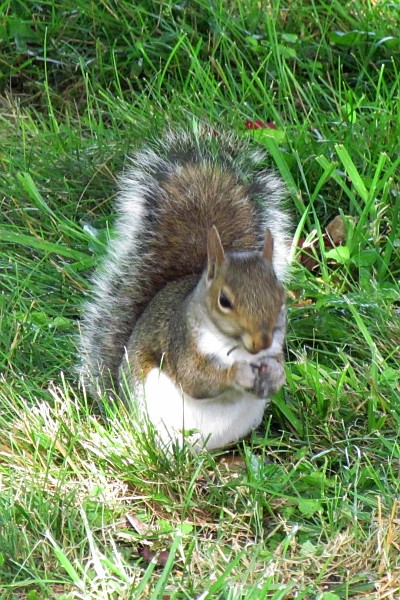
(352, 172)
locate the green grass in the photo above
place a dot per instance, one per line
(307, 508)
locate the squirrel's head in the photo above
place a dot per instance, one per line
(243, 296)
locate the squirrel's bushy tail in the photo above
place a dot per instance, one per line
(174, 191)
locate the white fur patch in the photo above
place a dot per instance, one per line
(212, 342)
(218, 421)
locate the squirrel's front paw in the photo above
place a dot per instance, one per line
(271, 377)
(262, 379)
(246, 375)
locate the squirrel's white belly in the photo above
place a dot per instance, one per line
(217, 421)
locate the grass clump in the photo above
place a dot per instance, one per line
(306, 508)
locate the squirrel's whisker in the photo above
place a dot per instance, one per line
(232, 349)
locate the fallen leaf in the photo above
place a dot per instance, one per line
(148, 555)
(336, 230)
(334, 235)
(132, 521)
(259, 125)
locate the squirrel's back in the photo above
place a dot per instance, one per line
(175, 190)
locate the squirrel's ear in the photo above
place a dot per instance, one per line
(215, 252)
(268, 250)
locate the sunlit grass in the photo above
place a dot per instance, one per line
(307, 506)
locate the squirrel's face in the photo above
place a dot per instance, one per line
(244, 300)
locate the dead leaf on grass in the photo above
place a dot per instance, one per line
(149, 555)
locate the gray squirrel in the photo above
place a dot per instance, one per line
(187, 319)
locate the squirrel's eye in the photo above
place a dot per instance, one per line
(224, 302)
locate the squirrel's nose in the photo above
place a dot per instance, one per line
(254, 343)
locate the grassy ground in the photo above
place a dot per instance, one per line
(306, 508)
